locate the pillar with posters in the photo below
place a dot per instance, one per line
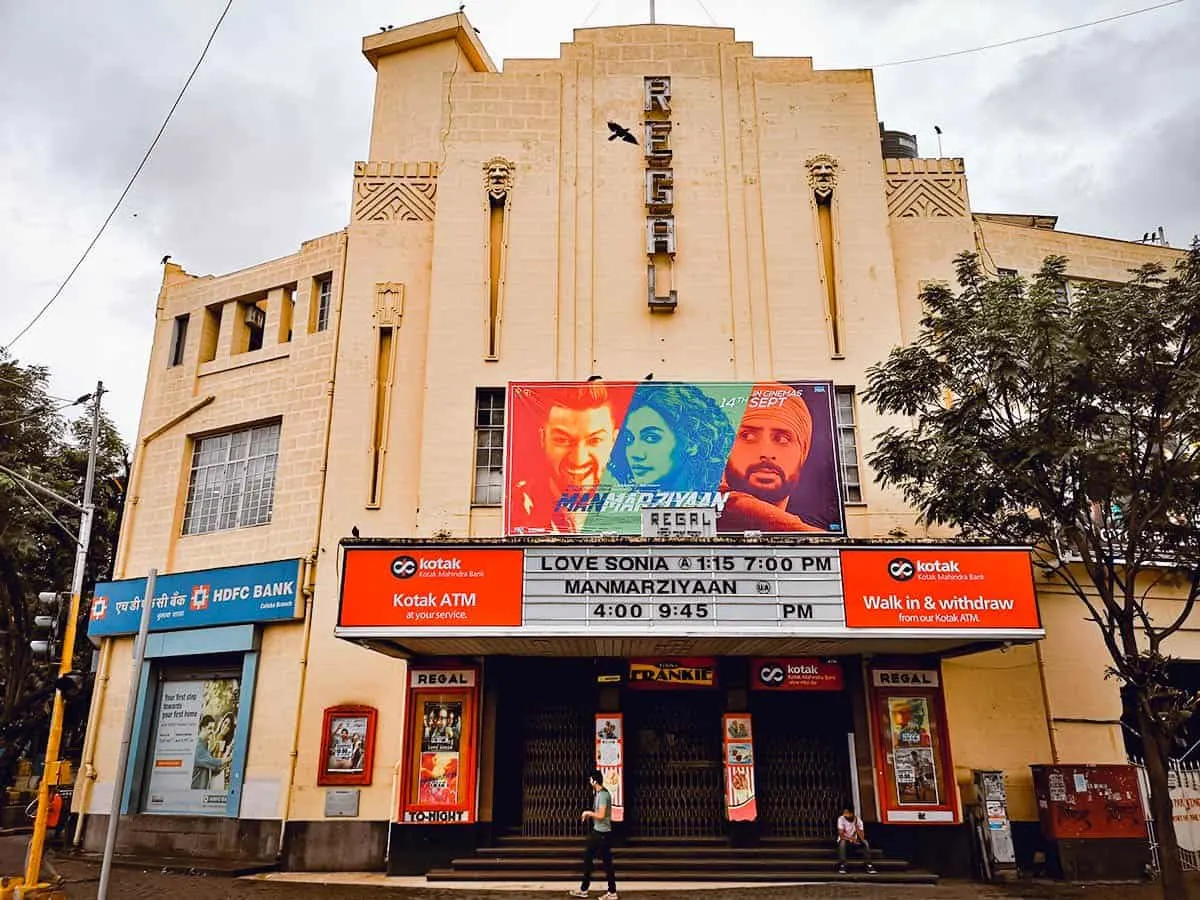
(610, 759)
(738, 744)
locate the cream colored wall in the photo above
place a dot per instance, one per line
(750, 302)
(997, 720)
(1016, 247)
(287, 380)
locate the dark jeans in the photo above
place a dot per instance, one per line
(598, 841)
(862, 847)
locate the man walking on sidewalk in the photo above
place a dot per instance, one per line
(851, 834)
(599, 838)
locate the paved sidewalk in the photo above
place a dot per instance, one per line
(149, 884)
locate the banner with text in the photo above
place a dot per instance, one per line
(262, 592)
(939, 588)
(588, 457)
(423, 587)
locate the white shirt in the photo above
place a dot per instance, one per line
(849, 829)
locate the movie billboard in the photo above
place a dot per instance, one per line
(588, 457)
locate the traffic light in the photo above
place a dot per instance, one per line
(46, 622)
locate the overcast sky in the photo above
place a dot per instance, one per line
(1099, 126)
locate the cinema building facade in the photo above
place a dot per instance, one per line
(554, 458)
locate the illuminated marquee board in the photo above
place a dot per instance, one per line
(683, 589)
(686, 589)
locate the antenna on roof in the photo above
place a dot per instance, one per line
(651, 12)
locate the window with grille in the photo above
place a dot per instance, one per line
(489, 447)
(848, 446)
(232, 484)
(324, 301)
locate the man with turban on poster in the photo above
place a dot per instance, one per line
(768, 455)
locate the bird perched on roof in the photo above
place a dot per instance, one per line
(164, 259)
(620, 131)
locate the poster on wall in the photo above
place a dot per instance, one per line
(348, 749)
(441, 735)
(193, 746)
(610, 759)
(912, 748)
(588, 457)
(738, 740)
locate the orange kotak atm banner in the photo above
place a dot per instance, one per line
(431, 587)
(944, 587)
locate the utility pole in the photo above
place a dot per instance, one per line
(114, 815)
(32, 885)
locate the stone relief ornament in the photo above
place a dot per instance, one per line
(822, 175)
(498, 177)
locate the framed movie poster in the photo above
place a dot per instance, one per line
(438, 786)
(913, 769)
(347, 745)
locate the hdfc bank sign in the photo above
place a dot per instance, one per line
(981, 588)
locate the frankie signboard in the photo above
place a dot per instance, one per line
(262, 592)
(588, 457)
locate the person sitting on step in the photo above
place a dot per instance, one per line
(850, 833)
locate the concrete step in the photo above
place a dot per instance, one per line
(689, 873)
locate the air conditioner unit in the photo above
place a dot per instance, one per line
(255, 317)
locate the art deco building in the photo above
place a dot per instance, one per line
(428, 498)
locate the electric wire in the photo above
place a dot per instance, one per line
(34, 415)
(707, 13)
(22, 384)
(128, 186)
(591, 12)
(1028, 37)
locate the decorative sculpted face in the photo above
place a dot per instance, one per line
(822, 175)
(498, 174)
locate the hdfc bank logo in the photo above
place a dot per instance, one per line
(407, 566)
(901, 569)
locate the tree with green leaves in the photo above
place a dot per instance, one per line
(1068, 421)
(37, 553)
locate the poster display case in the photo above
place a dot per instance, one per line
(913, 770)
(438, 784)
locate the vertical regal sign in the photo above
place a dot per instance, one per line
(610, 758)
(738, 742)
(438, 787)
(660, 194)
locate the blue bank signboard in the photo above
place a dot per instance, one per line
(263, 592)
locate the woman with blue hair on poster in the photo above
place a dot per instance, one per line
(674, 438)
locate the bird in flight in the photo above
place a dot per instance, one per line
(620, 131)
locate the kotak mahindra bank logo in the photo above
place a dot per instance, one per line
(405, 567)
(902, 569)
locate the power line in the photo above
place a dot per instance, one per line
(707, 13)
(84, 399)
(129, 185)
(1028, 37)
(27, 387)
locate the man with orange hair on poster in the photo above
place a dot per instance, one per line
(768, 455)
(575, 437)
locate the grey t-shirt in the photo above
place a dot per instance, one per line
(603, 799)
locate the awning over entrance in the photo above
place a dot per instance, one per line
(725, 597)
